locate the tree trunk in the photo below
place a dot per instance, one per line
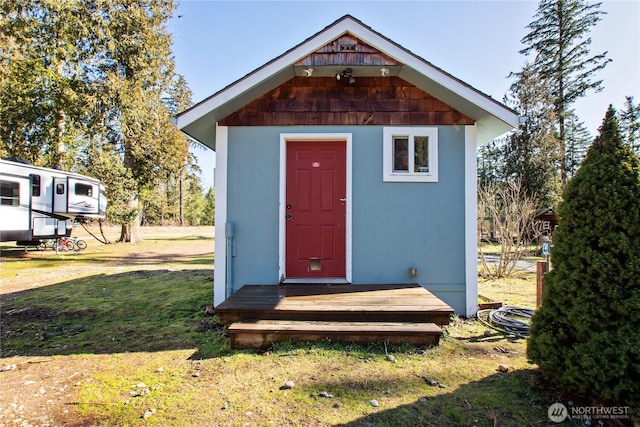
(60, 147)
(130, 233)
(563, 143)
(182, 197)
(560, 100)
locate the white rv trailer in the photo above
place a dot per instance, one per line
(41, 203)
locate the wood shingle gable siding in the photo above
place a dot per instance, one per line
(327, 101)
(348, 51)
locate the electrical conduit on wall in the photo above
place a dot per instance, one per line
(228, 231)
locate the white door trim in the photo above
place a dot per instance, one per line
(220, 248)
(471, 219)
(284, 137)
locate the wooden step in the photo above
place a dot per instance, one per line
(336, 314)
(263, 333)
(341, 303)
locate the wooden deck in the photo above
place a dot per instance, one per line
(263, 314)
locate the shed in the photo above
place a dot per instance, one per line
(347, 160)
(547, 219)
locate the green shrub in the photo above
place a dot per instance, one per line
(586, 335)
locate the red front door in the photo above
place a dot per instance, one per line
(316, 209)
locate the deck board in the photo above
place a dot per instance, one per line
(335, 302)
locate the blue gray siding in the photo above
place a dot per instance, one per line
(395, 225)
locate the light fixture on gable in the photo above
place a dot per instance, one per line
(307, 72)
(347, 73)
(384, 72)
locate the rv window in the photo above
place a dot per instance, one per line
(59, 188)
(84, 190)
(9, 193)
(35, 185)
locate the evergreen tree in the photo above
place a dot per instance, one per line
(45, 92)
(209, 210)
(137, 78)
(102, 160)
(578, 141)
(194, 202)
(179, 99)
(559, 43)
(530, 154)
(490, 163)
(585, 335)
(630, 124)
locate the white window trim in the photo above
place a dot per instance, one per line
(388, 174)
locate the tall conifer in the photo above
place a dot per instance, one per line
(530, 155)
(585, 336)
(559, 43)
(630, 124)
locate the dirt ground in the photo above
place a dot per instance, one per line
(39, 391)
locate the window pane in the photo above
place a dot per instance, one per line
(9, 193)
(83, 190)
(35, 185)
(59, 188)
(400, 154)
(421, 154)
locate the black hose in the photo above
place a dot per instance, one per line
(508, 320)
(92, 235)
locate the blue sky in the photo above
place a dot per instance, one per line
(218, 42)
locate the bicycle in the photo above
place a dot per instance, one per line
(60, 244)
(78, 244)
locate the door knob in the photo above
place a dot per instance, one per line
(288, 216)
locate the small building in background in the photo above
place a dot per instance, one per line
(547, 221)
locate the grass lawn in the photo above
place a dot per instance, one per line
(118, 331)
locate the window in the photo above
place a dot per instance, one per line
(35, 185)
(400, 154)
(9, 193)
(84, 190)
(59, 188)
(410, 154)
